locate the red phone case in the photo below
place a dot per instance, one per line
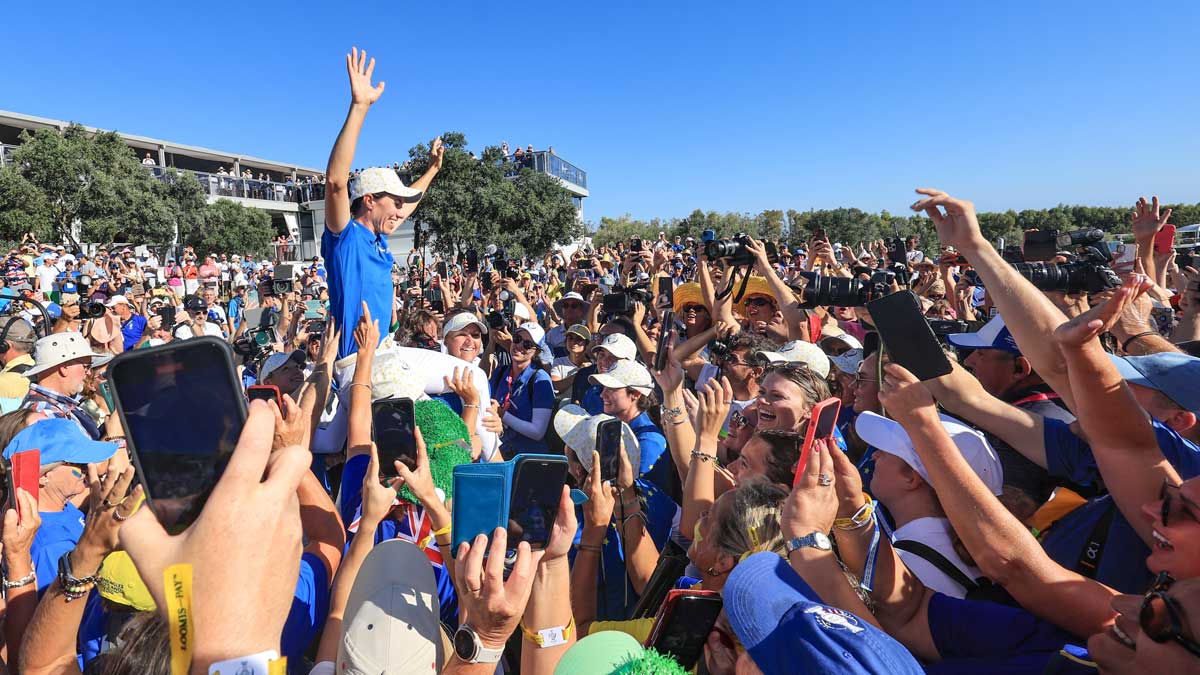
(668, 607)
(1164, 241)
(26, 469)
(267, 387)
(811, 434)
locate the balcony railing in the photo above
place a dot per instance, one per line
(6, 152)
(544, 162)
(219, 185)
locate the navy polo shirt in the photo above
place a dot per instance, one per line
(360, 268)
(58, 534)
(529, 391)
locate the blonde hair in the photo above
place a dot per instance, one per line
(750, 524)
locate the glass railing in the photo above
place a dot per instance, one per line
(225, 185)
(6, 152)
(544, 162)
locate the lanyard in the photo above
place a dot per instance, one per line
(1033, 398)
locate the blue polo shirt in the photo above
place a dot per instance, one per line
(531, 390)
(653, 446)
(986, 637)
(360, 268)
(1123, 563)
(350, 500)
(132, 330)
(58, 534)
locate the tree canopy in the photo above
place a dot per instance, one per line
(489, 200)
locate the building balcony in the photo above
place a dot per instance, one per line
(543, 161)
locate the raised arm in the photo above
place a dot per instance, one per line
(699, 488)
(337, 173)
(1032, 317)
(1002, 547)
(436, 154)
(789, 306)
(1118, 431)
(681, 435)
(358, 438)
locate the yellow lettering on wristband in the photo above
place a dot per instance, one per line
(177, 586)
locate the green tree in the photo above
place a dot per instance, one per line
(228, 226)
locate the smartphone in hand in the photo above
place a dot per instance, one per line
(1164, 240)
(820, 426)
(24, 470)
(608, 445)
(537, 483)
(907, 336)
(683, 623)
(393, 429)
(266, 392)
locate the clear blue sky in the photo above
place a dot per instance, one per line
(669, 106)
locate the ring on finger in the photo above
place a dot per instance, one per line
(823, 479)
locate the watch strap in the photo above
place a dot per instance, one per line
(809, 540)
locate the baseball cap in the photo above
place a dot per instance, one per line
(839, 336)
(993, 335)
(626, 373)
(19, 330)
(619, 345)
(577, 429)
(194, 303)
(117, 300)
(120, 582)
(848, 362)
(581, 331)
(60, 440)
(888, 436)
(391, 619)
(799, 351)
(536, 332)
(377, 179)
(1174, 374)
(460, 321)
(69, 287)
(277, 360)
(786, 627)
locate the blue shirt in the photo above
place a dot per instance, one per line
(351, 510)
(1123, 562)
(360, 268)
(592, 402)
(986, 637)
(235, 311)
(653, 446)
(530, 391)
(58, 534)
(310, 604)
(132, 330)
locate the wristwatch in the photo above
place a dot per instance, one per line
(817, 540)
(469, 648)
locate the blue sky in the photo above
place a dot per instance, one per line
(669, 106)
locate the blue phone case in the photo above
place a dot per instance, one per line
(482, 495)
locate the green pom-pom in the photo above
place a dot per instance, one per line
(651, 663)
(446, 441)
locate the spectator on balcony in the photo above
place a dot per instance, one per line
(518, 154)
(504, 147)
(148, 160)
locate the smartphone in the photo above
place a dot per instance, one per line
(662, 581)
(907, 336)
(393, 428)
(820, 425)
(665, 333)
(472, 261)
(315, 327)
(167, 312)
(436, 303)
(312, 309)
(608, 444)
(442, 270)
(1164, 241)
(683, 623)
(536, 490)
(485, 282)
(265, 392)
(106, 391)
(179, 458)
(24, 470)
(666, 288)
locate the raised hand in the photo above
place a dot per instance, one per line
(360, 70)
(812, 505)
(420, 479)
(494, 605)
(1146, 219)
(714, 407)
(462, 384)
(562, 536)
(366, 333)
(598, 509)
(1083, 328)
(437, 152)
(292, 429)
(378, 498)
(956, 226)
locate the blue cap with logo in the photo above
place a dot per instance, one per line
(787, 629)
(69, 287)
(60, 440)
(993, 335)
(1174, 374)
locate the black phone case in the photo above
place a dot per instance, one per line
(907, 336)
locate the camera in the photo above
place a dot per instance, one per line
(91, 310)
(944, 327)
(623, 299)
(720, 348)
(1086, 276)
(280, 287)
(736, 250)
(824, 290)
(635, 244)
(1043, 245)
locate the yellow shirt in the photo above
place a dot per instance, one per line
(13, 384)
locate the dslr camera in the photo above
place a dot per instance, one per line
(843, 291)
(1087, 272)
(623, 299)
(735, 251)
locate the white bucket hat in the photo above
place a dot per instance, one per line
(626, 373)
(577, 429)
(58, 348)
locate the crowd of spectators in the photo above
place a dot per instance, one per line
(1034, 508)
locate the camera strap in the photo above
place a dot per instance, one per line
(733, 279)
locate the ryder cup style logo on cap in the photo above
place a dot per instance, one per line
(834, 618)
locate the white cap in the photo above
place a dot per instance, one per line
(56, 349)
(577, 430)
(626, 373)
(117, 300)
(848, 361)
(536, 332)
(391, 620)
(276, 360)
(619, 345)
(829, 334)
(460, 321)
(376, 179)
(799, 351)
(888, 436)
(522, 312)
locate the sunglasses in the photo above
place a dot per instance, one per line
(524, 344)
(1168, 494)
(1161, 618)
(688, 309)
(859, 379)
(759, 301)
(738, 421)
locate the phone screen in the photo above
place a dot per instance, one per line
(536, 490)
(393, 426)
(666, 289)
(179, 457)
(472, 261)
(608, 444)
(442, 270)
(684, 628)
(908, 338)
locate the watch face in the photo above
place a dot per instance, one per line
(822, 540)
(464, 644)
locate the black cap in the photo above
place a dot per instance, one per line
(193, 303)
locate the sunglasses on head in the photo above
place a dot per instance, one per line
(1161, 618)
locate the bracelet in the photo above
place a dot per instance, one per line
(444, 530)
(23, 581)
(470, 405)
(859, 519)
(550, 637)
(703, 456)
(1125, 345)
(671, 413)
(357, 384)
(594, 548)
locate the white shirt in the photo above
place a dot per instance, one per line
(183, 331)
(562, 368)
(46, 275)
(937, 534)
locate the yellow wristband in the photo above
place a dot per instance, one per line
(550, 637)
(859, 519)
(444, 530)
